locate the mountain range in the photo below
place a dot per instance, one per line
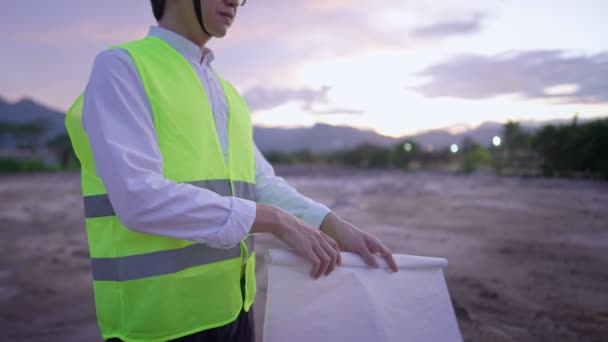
(318, 138)
(27, 110)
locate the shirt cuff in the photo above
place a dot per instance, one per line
(237, 226)
(316, 214)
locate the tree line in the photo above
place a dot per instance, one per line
(572, 150)
(26, 147)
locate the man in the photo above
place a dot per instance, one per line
(173, 187)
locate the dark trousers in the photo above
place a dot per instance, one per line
(240, 330)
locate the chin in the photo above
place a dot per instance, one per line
(220, 34)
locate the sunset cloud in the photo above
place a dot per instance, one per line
(260, 98)
(550, 74)
(313, 101)
(345, 62)
(443, 29)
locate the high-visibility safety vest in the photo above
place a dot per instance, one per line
(153, 288)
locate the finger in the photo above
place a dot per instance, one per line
(315, 263)
(333, 254)
(330, 241)
(339, 261)
(338, 255)
(377, 246)
(336, 246)
(368, 257)
(391, 262)
(325, 260)
(335, 250)
(388, 256)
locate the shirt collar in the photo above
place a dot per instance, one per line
(185, 47)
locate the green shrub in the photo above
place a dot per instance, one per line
(21, 165)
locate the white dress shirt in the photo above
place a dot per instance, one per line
(118, 120)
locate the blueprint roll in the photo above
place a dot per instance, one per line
(357, 303)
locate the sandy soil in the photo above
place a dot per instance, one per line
(528, 258)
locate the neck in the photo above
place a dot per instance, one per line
(198, 38)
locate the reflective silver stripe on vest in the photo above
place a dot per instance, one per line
(244, 190)
(97, 206)
(161, 263)
(219, 186)
(100, 205)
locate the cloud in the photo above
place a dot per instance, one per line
(260, 98)
(273, 38)
(554, 74)
(322, 27)
(339, 111)
(449, 28)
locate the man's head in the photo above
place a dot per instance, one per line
(197, 20)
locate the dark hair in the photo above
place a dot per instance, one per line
(158, 7)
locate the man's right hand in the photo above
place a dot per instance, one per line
(317, 247)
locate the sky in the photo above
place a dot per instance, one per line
(394, 66)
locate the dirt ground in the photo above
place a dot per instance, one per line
(528, 258)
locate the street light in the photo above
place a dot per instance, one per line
(454, 148)
(496, 141)
(407, 147)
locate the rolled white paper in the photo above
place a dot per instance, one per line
(356, 303)
(411, 262)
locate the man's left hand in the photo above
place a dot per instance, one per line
(353, 239)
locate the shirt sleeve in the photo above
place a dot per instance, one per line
(272, 189)
(118, 121)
